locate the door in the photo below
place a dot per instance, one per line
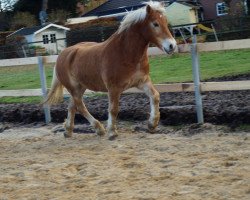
(49, 42)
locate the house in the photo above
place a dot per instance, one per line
(115, 8)
(179, 13)
(207, 9)
(50, 36)
(111, 8)
(214, 9)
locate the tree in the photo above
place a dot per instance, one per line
(62, 5)
(31, 6)
(4, 21)
(45, 5)
(6, 7)
(23, 19)
(91, 4)
(248, 6)
(35, 6)
(58, 16)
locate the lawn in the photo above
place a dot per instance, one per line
(23, 77)
(175, 68)
(178, 68)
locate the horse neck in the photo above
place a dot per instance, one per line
(132, 44)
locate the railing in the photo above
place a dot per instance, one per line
(223, 29)
(197, 87)
(23, 49)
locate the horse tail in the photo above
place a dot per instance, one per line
(55, 94)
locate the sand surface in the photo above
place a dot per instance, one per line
(38, 164)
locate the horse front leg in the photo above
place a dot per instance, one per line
(113, 110)
(154, 97)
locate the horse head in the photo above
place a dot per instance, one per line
(156, 29)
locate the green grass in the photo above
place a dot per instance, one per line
(178, 68)
(23, 77)
(175, 68)
(21, 100)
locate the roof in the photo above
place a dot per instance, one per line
(36, 29)
(188, 4)
(115, 6)
(122, 6)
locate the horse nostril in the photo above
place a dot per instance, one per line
(171, 47)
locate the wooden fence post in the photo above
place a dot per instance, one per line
(196, 77)
(44, 89)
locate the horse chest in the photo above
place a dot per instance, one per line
(137, 77)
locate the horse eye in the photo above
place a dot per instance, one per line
(156, 24)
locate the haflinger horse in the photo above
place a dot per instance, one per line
(119, 63)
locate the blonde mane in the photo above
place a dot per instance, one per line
(139, 15)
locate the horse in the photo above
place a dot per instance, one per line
(112, 66)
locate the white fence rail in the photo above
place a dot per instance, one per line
(26, 61)
(182, 48)
(174, 87)
(198, 87)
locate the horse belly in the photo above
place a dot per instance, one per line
(91, 79)
(73, 74)
(87, 68)
(94, 84)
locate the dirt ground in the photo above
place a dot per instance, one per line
(188, 163)
(228, 107)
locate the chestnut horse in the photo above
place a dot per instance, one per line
(119, 63)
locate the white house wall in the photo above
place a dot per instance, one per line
(178, 14)
(52, 47)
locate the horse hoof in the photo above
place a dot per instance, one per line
(66, 135)
(151, 128)
(99, 129)
(101, 132)
(112, 137)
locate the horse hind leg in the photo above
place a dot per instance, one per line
(69, 123)
(113, 112)
(81, 108)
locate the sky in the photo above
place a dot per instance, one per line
(5, 3)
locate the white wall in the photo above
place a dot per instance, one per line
(178, 14)
(52, 47)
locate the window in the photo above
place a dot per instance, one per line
(53, 38)
(221, 9)
(45, 39)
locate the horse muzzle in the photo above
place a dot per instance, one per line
(169, 45)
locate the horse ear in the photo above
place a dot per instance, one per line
(148, 9)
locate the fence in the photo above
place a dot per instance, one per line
(224, 28)
(197, 87)
(91, 34)
(22, 49)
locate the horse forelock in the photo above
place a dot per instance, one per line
(139, 15)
